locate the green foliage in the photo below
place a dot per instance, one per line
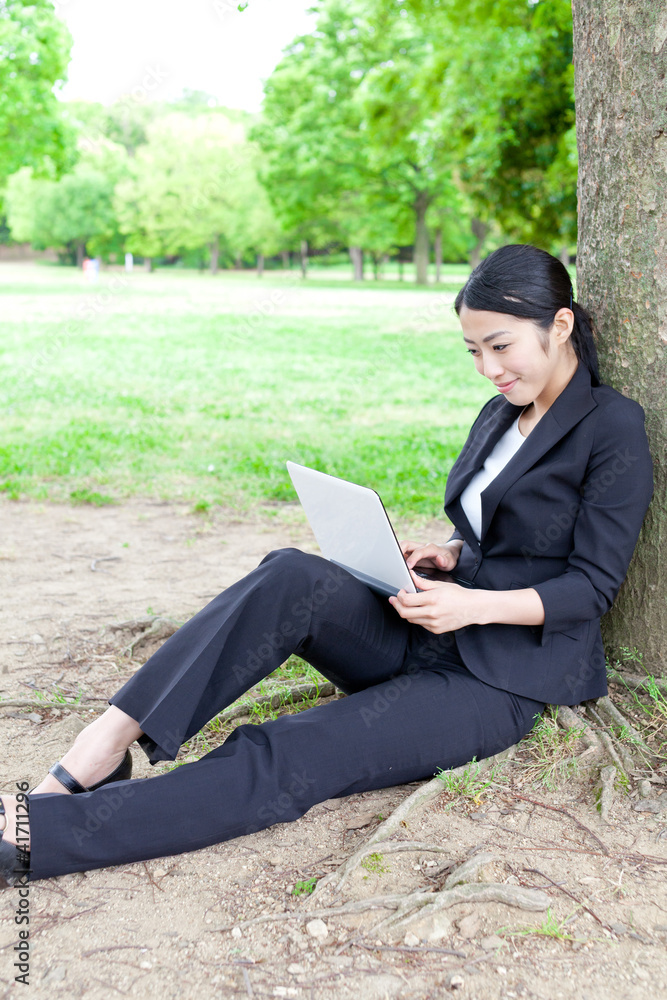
(470, 784)
(74, 214)
(374, 864)
(34, 53)
(304, 887)
(193, 184)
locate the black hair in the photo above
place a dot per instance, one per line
(524, 281)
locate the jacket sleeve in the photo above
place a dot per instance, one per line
(614, 499)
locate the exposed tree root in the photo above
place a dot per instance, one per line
(607, 777)
(419, 797)
(402, 904)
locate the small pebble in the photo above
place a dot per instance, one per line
(145, 965)
(619, 929)
(411, 940)
(501, 970)
(317, 929)
(454, 982)
(237, 932)
(295, 969)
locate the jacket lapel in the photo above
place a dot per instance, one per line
(574, 402)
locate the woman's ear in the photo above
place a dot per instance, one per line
(563, 325)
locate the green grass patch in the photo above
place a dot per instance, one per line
(184, 387)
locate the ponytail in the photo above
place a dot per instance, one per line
(583, 341)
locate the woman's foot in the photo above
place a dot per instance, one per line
(97, 751)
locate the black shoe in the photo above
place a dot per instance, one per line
(121, 773)
(14, 861)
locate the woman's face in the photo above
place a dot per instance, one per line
(509, 352)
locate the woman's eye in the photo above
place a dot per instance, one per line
(500, 347)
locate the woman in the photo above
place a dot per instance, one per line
(548, 496)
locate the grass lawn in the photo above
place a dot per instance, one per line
(183, 386)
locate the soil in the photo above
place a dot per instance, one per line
(175, 927)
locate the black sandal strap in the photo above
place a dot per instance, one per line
(62, 775)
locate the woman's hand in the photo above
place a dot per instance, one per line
(432, 556)
(440, 607)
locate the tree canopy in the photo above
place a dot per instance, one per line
(34, 54)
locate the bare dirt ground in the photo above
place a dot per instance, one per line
(177, 927)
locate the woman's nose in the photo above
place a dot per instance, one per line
(493, 366)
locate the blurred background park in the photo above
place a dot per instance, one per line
(234, 237)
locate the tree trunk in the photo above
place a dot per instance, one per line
(479, 231)
(215, 255)
(148, 264)
(621, 101)
(284, 254)
(438, 255)
(357, 258)
(80, 248)
(421, 238)
(400, 269)
(376, 266)
(304, 258)
(565, 256)
(238, 262)
(260, 265)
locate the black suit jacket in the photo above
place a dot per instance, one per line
(563, 517)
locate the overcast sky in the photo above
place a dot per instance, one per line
(163, 46)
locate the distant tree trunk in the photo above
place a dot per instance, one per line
(565, 256)
(148, 264)
(80, 250)
(284, 254)
(304, 258)
(215, 255)
(480, 231)
(438, 254)
(375, 257)
(357, 258)
(621, 100)
(422, 202)
(238, 262)
(260, 265)
(400, 269)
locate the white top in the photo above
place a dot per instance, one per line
(471, 498)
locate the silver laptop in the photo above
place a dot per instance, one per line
(353, 530)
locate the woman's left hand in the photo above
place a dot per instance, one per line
(440, 607)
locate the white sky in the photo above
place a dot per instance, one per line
(155, 48)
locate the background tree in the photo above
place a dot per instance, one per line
(73, 215)
(34, 54)
(622, 263)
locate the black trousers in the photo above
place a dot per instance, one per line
(412, 707)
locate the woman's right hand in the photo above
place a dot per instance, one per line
(432, 556)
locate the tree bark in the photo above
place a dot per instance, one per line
(260, 265)
(148, 264)
(357, 258)
(304, 258)
(422, 202)
(438, 255)
(80, 248)
(479, 231)
(284, 255)
(621, 99)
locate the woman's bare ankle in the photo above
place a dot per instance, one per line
(97, 750)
